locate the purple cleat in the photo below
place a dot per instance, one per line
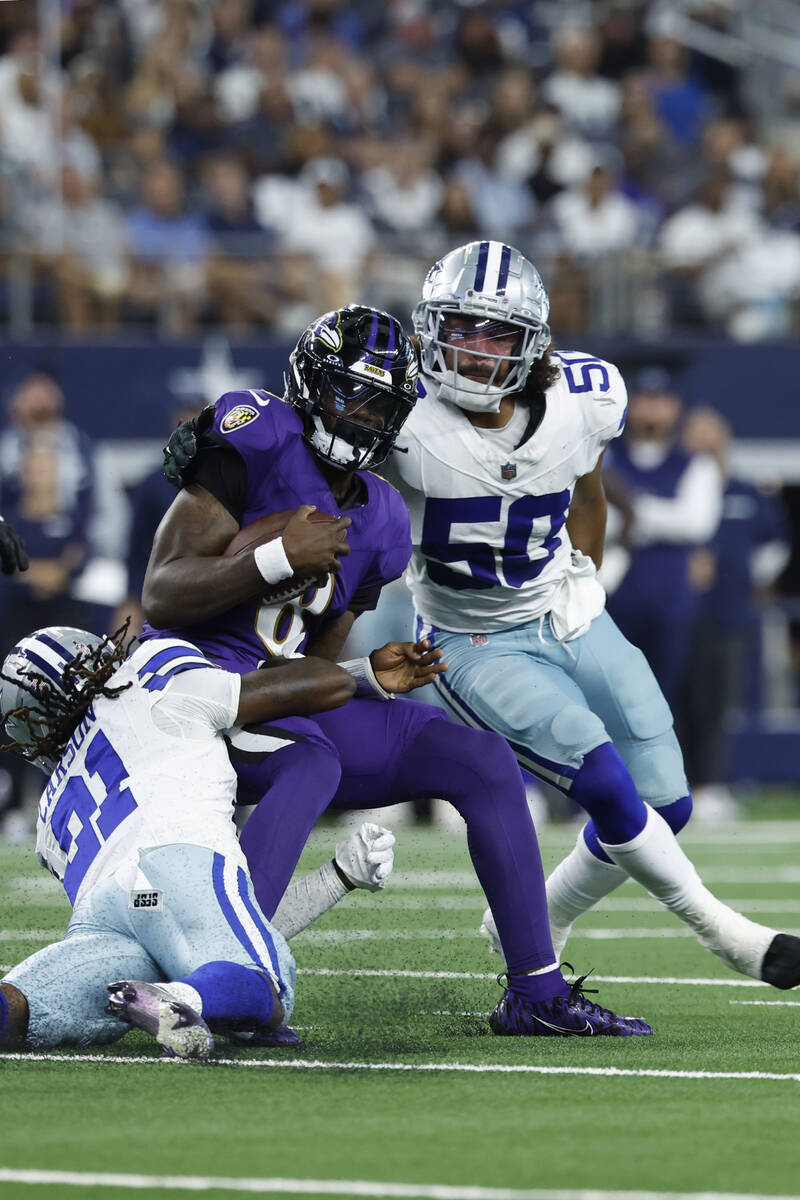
(179, 1029)
(282, 1036)
(564, 1016)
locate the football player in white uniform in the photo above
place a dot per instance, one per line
(502, 471)
(136, 822)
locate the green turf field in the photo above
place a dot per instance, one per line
(399, 1081)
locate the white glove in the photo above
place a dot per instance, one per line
(367, 856)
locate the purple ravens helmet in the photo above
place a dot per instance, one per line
(353, 376)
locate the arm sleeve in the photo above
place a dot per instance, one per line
(365, 599)
(198, 703)
(307, 899)
(691, 516)
(220, 469)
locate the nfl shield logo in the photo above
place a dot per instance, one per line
(508, 471)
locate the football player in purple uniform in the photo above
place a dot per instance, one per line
(352, 383)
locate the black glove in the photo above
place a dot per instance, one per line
(181, 449)
(13, 556)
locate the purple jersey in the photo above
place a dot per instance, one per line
(282, 473)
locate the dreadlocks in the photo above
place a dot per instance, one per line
(56, 716)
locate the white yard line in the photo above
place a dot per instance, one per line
(398, 900)
(375, 973)
(314, 1064)
(672, 981)
(347, 1187)
(28, 935)
(769, 1003)
(337, 937)
(721, 873)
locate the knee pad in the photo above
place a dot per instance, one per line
(577, 730)
(657, 770)
(677, 814)
(638, 694)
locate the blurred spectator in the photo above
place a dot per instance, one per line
(675, 500)
(595, 220)
(782, 190)
(696, 241)
(170, 249)
(502, 206)
(82, 237)
(589, 103)
(331, 231)
(404, 193)
(748, 553)
(263, 63)
(477, 42)
(77, 148)
(514, 101)
(456, 214)
(230, 19)
(242, 276)
(46, 488)
(27, 138)
(680, 100)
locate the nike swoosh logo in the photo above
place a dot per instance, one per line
(587, 1029)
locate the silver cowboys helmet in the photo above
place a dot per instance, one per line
(480, 297)
(44, 654)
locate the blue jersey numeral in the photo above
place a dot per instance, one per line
(518, 567)
(578, 371)
(80, 821)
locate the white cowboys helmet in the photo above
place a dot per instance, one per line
(43, 654)
(481, 293)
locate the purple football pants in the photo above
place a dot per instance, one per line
(371, 753)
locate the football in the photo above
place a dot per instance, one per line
(257, 533)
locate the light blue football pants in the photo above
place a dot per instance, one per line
(209, 913)
(554, 702)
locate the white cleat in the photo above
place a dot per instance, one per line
(178, 1028)
(489, 929)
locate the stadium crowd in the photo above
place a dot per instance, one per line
(251, 162)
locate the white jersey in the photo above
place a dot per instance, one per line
(491, 550)
(148, 768)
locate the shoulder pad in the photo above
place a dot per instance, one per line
(600, 387)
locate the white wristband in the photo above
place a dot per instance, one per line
(272, 562)
(367, 685)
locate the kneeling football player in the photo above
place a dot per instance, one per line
(136, 822)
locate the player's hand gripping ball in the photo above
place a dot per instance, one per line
(314, 542)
